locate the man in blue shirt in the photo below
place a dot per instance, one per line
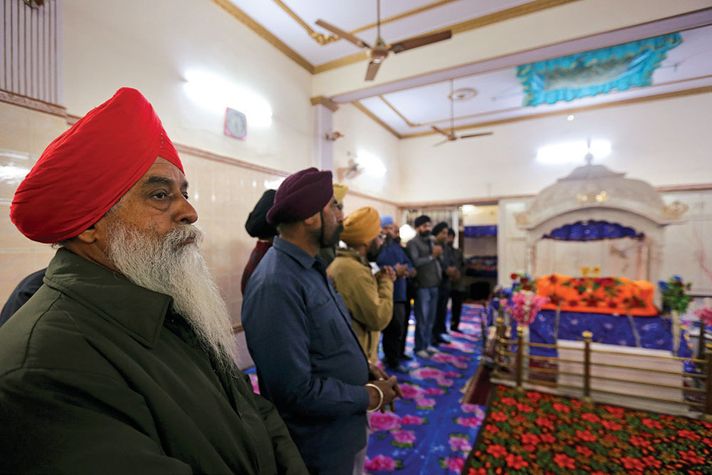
(393, 255)
(309, 362)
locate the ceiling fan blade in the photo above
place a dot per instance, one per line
(417, 41)
(470, 136)
(343, 34)
(440, 143)
(440, 131)
(372, 70)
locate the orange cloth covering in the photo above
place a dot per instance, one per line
(614, 295)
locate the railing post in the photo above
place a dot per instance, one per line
(519, 370)
(708, 384)
(499, 346)
(587, 336)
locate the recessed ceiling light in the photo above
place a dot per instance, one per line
(570, 118)
(463, 94)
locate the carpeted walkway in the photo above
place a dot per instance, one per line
(430, 431)
(531, 432)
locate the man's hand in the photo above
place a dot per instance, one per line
(401, 270)
(387, 272)
(375, 373)
(390, 390)
(452, 273)
(437, 250)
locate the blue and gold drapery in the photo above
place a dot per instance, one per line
(601, 71)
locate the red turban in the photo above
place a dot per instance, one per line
(88, 168)
(301, 195)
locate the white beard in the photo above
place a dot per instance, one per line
(173, 265)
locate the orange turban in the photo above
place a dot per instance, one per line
(361, 226)
(340, 192)
(88, 168)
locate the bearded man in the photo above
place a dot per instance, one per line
(369, 298)
(298, 330)
(122, 362)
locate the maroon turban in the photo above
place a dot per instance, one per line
(301, 195)
(88, 168)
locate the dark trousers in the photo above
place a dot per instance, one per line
(457, 298)
(394, 335)
(441, 313)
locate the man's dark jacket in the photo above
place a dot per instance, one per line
(98, 375)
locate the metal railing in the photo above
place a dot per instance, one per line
(513, 366)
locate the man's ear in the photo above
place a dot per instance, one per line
(313, 220)
(88, 236)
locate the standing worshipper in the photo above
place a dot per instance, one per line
(258, 227)
(122, 362)
(368, 298)
(309, 362)
(449, 274)
(457, 294)
(393, 255)
(424, 254)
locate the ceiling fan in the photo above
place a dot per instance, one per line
(379, 52)
(350, 171)
(450, 136)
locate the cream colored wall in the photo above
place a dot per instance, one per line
(664, 142)
(152, 44)
(362, 133)
(24, 131)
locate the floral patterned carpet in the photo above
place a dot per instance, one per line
(431, 432)
(531, 432)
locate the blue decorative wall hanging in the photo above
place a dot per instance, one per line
(592, 231)
(601, 71)
(480, 231)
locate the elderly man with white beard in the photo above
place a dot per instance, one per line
(122, 362)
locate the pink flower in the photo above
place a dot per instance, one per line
(410, 420)
(381, 463)
(526, 306)
(705, 315)
(471, 408)
(454, 464)
(410, 391)
(469, 421)
(403, 438)
(459, 443)
(434, 391)
(425, 403)
(383, 421)
(444, 382)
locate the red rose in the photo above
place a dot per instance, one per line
(496, 451)
(516, 461)
(564, 461)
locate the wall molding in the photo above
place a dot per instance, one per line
(32, 104)
(376, 119)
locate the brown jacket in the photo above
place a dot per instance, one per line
(369, 300)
